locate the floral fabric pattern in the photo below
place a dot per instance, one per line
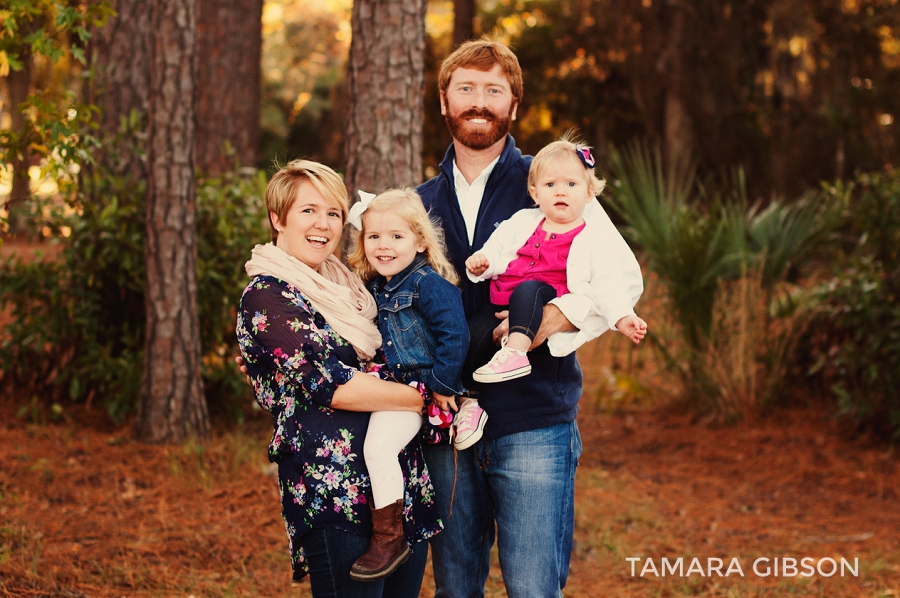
(296, 363)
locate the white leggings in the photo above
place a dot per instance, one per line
(389, 432)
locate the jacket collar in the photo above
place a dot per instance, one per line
(398, 279)
(509, 155)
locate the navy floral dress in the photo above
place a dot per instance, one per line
(296, 362)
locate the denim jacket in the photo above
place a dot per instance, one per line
(423, 328)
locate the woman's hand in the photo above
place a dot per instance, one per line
(243, 367)
(446, 403)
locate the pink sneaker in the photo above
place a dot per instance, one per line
(507, 364)
(469, 422)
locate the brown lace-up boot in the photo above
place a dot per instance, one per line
(387, 549)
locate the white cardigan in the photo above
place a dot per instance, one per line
(603, 276)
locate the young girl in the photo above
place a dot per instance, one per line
(399, 255)
(557, 252)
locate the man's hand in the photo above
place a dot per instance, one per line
(446, 403)
(553, 321)
(502, 329)
(477, 264)
(241, 366)
(633, 327)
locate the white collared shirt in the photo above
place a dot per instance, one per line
(470, 196)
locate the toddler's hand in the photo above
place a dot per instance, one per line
(477, 264)
(446, 403)
(633, 327)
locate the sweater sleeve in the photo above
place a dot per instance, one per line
(440, 304)
(500, 249)
(610, 291)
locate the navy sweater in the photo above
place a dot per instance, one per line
(550, 394)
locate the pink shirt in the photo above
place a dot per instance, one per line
(540, 258)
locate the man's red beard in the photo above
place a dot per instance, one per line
(478, 139)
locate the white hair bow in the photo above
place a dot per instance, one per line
(359, 208)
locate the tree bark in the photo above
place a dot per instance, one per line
(19, 86)
(121, 60)
(122, 63)
(387, 77)
(172, 405)
(678, 131)
(463, 21)
(229, 44)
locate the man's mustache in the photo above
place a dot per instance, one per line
(479, 113)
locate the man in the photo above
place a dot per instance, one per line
(521, 475)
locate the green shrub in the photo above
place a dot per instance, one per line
(722, 262)
(853, 346)
(77, 322)
(231, 219)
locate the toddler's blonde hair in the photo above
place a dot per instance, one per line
(406, 204)
(563, 149)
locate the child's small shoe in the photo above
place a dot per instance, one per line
(469, 423)
(507, 364)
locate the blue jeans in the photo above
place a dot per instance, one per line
(526, 483)
(330, 553)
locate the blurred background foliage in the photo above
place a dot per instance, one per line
(75, 329)
(750, 147)
(793, 92)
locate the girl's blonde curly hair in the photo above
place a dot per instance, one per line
(405, 203)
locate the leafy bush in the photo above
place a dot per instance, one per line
(77, 322)
(722, 262)
(853, 347)
(231, 219)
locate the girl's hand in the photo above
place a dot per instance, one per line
(446, 403)
(477, 264)
(633, 327)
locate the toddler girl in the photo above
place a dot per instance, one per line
(556, 250)
(399, 255)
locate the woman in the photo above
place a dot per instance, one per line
(305, 329)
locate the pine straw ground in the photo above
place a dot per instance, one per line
(85, 511)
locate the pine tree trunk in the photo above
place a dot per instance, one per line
(122, 63)
(678, 130)
(229, 44)
(19, 86)
(463, 21)
(121, 60)
(387, 78)
(172, 405)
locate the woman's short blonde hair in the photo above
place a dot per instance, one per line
(407, 204)
(563, 149)
(281, 192)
